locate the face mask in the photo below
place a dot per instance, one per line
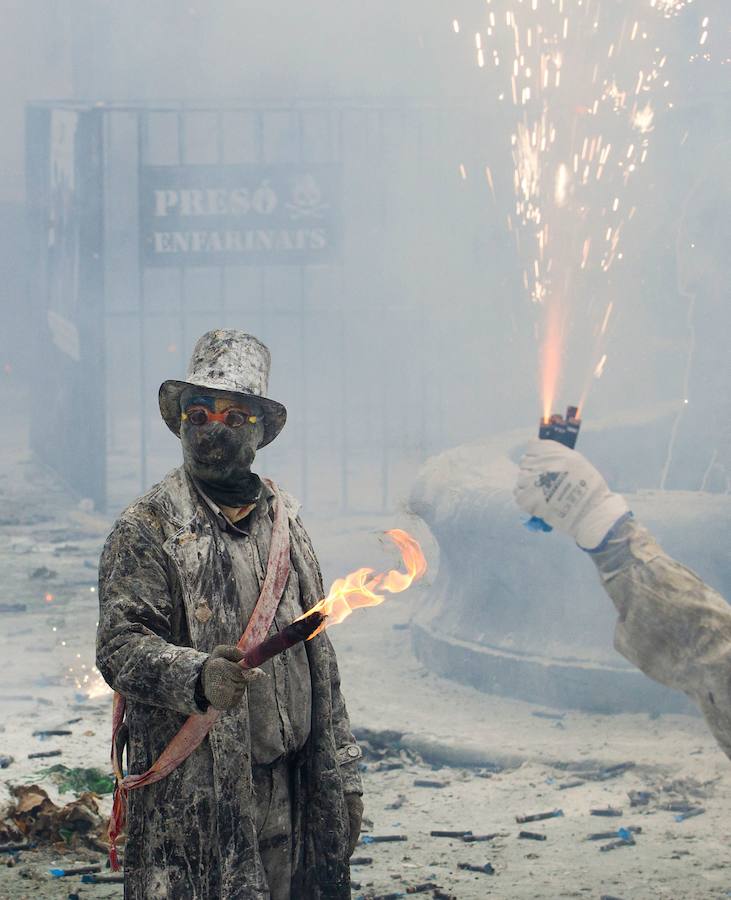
(220, 435)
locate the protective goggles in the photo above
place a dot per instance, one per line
(232, 418)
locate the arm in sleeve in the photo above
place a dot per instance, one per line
(135, 650)
(671, 625)
(347, 751)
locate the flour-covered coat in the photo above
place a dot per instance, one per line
(671, 624)
(192, 835)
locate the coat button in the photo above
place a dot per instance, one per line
(353, 752)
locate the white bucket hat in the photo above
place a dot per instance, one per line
(231, 361)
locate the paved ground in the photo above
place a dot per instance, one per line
(48, 552)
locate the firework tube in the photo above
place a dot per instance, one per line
(564, 431)
(301, 630)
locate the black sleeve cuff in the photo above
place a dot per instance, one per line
(199, 696)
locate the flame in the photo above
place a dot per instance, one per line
(550, 360)
(359, 588)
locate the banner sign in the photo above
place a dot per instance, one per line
(238, 215)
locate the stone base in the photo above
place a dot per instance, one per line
(546, 682)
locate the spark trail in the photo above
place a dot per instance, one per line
(585, 81)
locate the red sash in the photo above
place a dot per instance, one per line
(196, 728)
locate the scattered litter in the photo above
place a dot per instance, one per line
(538, 817)
(608, 835)
(681, 817)
(442, 895)
(570, 784)
(615, 771)
(383, 838)
(35, 816)
(44, 754)
(627, 841)
(607, 811)
(421, 888)
(639, 798)
(480, 838)
(450, 834)
(689, 787)
(397, 803)
(361, 860)
(531, 836)
(679, 806)
(429, 783)
(102, 879)
(43, 572)
(76, 870)
(15, 847)
(45, 733)
(6, 761)
(487, 869)
(545, 715)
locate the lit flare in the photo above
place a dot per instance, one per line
(360, 588)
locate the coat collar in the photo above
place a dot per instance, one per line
(176, 499)
(243, 526)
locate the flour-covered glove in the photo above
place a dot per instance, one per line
(222, 679)
(562, 487)
(355, 814)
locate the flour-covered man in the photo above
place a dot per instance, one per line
(268, 807)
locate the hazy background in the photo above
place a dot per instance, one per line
(421, 335)
(417, 337)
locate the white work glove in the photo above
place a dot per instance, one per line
(562, 487)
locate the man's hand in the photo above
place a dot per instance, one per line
(563, 488)
(222, 678)
(355, 814)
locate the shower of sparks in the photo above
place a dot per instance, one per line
(669, 7)
(88, 681)
(585, 85)
(599, 370)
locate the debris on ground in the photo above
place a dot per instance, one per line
(539, 817)
(79, 779)
(34, 816)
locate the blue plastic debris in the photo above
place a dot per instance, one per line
(537, 524)
(690, 814)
